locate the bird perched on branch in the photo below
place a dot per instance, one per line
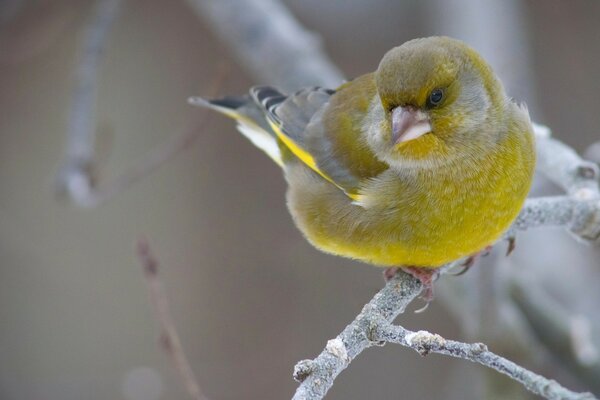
(422, 162)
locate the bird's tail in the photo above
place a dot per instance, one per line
(250, 120)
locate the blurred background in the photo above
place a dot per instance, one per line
(249, 295)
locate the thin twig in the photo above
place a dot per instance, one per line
(169, 339)
(424, 343)
(157, 157)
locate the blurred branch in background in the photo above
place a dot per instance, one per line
(262, 26)
(573, 338)
(76, 176)
(169, 338)
(593, 153)
(270, 42)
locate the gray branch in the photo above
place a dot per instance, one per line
(76, 177)
(267, 39)
(317, 376)
(425, 342)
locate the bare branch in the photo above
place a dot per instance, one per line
(578, 177)
(269, 41)
(317, 376)
(101, 192)
(169, 339)
(75, 177)
(563, 166)
(424, 343)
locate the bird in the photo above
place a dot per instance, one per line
(424, 161)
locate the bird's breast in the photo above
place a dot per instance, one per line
(426, 218)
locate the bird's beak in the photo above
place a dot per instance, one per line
(408, 123)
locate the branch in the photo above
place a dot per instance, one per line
(75, 176)
(562, 165)
(267, 39)
(424, 343)
(169, 339)
(317, 376)
(372, 327)
(87, 193)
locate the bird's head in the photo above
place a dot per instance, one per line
(436, 98)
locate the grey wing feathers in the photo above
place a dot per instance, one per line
(299, 117)
(291, 113)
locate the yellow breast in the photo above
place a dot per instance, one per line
(426, 218)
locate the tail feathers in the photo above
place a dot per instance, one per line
(250, 121)
(227, 105)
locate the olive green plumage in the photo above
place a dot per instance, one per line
(419, 163)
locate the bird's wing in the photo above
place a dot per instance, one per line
(322, 128)
(250, 119)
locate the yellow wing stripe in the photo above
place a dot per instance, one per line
(306, 157)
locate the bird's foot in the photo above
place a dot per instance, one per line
(389, 273)
(470, 261)
(466, 265)
(426, 276)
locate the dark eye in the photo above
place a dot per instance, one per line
(435, 98)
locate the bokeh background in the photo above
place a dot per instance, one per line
(249, 295)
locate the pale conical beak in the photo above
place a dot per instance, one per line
(408, 123)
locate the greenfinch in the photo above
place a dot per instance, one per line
(422, 162)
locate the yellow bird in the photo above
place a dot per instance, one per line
(422, 162)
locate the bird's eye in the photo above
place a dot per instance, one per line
(435, 98)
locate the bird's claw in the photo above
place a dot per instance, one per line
(426, 276)
(512, 243)
(465, 266)
(389, 273)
